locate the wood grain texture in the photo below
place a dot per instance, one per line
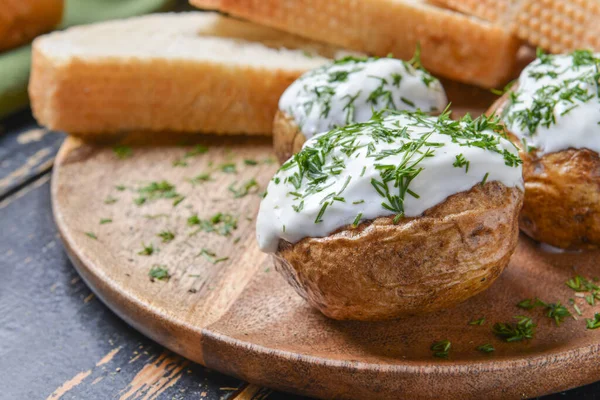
(242, 318)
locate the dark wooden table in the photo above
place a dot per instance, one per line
(57, 340)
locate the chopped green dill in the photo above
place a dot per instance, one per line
(197, 150)
(120, 188)
(486, 348)
(180, 163)
(485, 177)
(212, 257)
(529, 304)
(220, 223)
(318, 166)
(159, 272)
(156, 190)
(122, 152)
(147, 250)
(407, 101)
(555, 92)
(92, 235)
(523, 329)
(155, 216)
(441, 349)
(593, 323)
(201, 178)
(358, 202)
(250, 162)
(461, 161)
(479, 321)
(357, 220)
(105, 221)
(237, 240)
(166, 236)
(590, 299)
(556, 311)
(244, 188)
(229, 168)
(581, 284)
(298, 207)
(178, 200)
(110, 200)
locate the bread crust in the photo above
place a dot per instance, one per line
(453, 45)
(382, 270)
(557, 26)
(23, 20)
(154, 96)
(562, 195)
(92, 96)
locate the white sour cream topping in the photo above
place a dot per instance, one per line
(340, 177)
(348, 91)
(556, 105)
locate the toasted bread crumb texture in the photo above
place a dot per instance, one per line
(555, 25)
(558, 25)
(454, 45)
(23, 20)
(184, 72)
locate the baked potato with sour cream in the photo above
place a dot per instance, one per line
(349, 90)
(401, 215)
(561, 166)
(383, 270)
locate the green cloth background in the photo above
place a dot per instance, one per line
(15, 64)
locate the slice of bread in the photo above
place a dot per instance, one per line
(23, 20)
(188, 72)
(558, 26)
(453, 45)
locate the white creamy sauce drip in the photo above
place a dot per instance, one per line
(281, 217)
(348, 91)
(556, 105)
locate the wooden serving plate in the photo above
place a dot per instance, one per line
(240, 317)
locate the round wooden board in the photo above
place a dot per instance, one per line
(239, 316)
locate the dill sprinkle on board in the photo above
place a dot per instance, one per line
(122, 152)
(159, 272)
(441, 349)
(166, 236)
(147, 250)
(523, 329)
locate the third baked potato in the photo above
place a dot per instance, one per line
(553, 114)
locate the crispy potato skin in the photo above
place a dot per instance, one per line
(562, 195)
(287, 138)
(381, 270)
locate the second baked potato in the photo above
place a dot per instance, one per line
(348, 91)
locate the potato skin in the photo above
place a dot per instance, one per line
(562, 195)
(287, 137)
(381, 270)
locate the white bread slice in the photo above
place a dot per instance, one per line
(453, 45)
(22, 20)
(557, 26)
(188, 72)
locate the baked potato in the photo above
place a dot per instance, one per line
(349, 90)
(552, 115)
(400, 215)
